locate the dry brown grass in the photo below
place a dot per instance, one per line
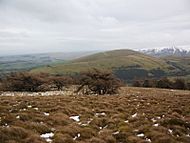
(136, 115)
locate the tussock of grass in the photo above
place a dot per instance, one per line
(136, 115)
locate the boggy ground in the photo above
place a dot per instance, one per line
(136, 115)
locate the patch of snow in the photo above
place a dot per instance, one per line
(48, 140)
(36, 109)
(77, 136)
(115, 133)
(188, 135)
(140, 135)
(158, 118)
(47, 137)
(6, 125)
(170, 131)
(75, 118)
(18, 117)
(148, 140)
(127, 121)
(46, 114)
(105, 127)
(134, 115)
(85, 123)
(100, 114)
(29, 106)
(156, 125)
(153, 120)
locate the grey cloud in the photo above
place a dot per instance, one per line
(67, 25)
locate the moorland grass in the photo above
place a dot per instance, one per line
(136, 115)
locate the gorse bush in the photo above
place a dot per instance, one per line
(99, 82)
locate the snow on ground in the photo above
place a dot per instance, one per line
(47, 137)
(148, 140)
(153, 120)
(115, 133)
(76, 137)
(75, 118)
(46, 114)
(134, 115)
(127, 121)
(156, 125)
(100, 114)
(170, 131)
(18, 117)
(140, 135)
(47, 93)
(86, 123)
(36, 109)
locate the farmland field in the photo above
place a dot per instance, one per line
(135, 115)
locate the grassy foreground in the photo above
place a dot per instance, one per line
(136, 115)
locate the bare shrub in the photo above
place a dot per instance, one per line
(24, 81)
(164, 83)
(61, 81)
(99, 82)
(179, 84)
(137, 83)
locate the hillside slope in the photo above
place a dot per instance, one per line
(181, 65)
(119, 61)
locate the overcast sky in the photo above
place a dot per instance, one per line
(32, 26)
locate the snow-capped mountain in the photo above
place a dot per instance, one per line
(161, 52)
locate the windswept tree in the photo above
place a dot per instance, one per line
(164, 83)
(179, 84)
(99, 82)
(137, 83)
(24, 81)
(61, 81)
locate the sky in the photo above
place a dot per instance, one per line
(38, 26)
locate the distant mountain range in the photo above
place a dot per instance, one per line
(173, 51)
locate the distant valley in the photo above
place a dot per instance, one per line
(27, 62)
